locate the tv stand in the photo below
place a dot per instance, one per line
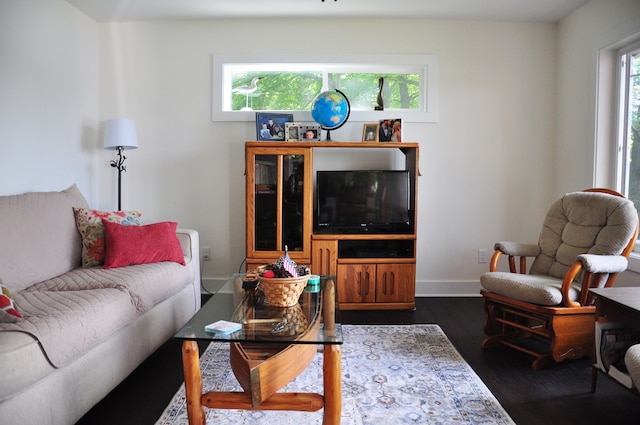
(373, 270)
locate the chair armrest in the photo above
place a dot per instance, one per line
(518, 249)
(594, 263)
(513, 249)
(591, 264)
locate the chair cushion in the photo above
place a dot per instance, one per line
(583, 223)
(632, 362)
(536, 289)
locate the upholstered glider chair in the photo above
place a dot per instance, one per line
(548, 313)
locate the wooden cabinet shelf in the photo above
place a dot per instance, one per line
(373, 271)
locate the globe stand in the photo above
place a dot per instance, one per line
(328, 138)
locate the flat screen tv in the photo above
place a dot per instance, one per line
(370, 201)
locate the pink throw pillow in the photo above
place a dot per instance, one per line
(130, 245)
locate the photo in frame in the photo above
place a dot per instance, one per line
(390, 130)
(310, 133)
(270, 126)
(370, 132)
(292, 131)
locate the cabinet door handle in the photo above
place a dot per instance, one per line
(388, 283)
(367, 285)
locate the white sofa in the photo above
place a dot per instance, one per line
(95, 325)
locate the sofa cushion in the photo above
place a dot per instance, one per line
(23, 363)
(8, 309)
(131, 245)
(68, 323)
(39, 236)
(89, 223)
(73, 312)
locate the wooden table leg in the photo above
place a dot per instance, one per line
(193, 382)
(332, 370)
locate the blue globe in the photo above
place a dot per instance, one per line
(330, 109)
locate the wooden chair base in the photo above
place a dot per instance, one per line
(568, 333)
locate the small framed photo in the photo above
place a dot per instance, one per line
(310, 133)
(370, 132)
(292, 131)
(270, 126)
(390, 130)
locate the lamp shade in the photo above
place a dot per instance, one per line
(120, 133)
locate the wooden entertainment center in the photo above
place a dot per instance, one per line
(373, 270)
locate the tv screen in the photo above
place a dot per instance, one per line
(371, 201)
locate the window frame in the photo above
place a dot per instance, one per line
(427, 65)
(623, 150)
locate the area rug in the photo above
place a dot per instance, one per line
(390, 375)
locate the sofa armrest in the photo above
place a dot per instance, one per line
(190, 243)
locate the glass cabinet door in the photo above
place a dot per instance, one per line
(281, 202)
(265, 202)
(293, 203)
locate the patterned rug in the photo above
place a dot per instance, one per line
(390, 375)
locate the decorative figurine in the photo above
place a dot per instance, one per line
(380, 106)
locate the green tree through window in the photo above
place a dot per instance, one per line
(631, 130)
(294, 91)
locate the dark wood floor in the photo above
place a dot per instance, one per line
(558, 395)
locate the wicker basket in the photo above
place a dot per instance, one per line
(283, 291)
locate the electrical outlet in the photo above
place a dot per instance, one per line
(205, 253)
(482, 256)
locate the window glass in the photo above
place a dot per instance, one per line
(630, 124)
(243, 84)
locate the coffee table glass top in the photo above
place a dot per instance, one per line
(264, 323)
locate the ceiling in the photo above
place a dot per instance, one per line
(488, 10)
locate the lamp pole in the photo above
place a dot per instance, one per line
(120, 167)
(120, 135)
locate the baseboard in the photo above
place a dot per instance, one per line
(450, 288)
(424, 288)
(211, 285)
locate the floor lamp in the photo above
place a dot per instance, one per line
(120, 134)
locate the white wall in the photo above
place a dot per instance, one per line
(48, 97)
(589, 37)
(514, 100)
(594, 26)
(490, 154)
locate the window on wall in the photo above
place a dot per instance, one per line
(628, 127)
(244, 84)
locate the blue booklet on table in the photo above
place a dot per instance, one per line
(223, 327)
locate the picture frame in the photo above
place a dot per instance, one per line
(370, 132)
(292, 131)
(310, 133)
(271, 126)
(390, 130)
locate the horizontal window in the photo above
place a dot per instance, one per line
(404, 84)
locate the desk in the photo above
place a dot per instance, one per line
(231, 302)
(615, 305)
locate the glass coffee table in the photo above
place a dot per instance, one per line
(272, 347)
